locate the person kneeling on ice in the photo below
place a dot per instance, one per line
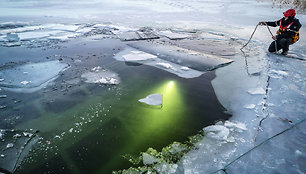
(287, 34)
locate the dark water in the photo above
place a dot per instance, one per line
(87, 128)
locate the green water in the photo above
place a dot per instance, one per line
(110, 122)
(88, 128)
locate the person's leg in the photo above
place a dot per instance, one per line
(273, 47)
(284, 43)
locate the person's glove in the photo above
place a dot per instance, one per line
(262, 23)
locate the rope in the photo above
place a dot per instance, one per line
(224, 168)
(250, 37)
(253, 35)
(274, 40)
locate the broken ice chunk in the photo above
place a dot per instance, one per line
(25, 82)
(277, 74)
(138, 56)
(38, 76)
(153, 99)
(257, 91)
(17, 136)
(166, 65)
(184, 68)
(217, 132)
(9, 145)
(3, 96)
(12, 37)
(149, 159)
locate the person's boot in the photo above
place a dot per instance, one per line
(284, 53)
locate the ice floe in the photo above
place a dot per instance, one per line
(134, 55)
(38, 75)
(138, 56)
(153, 99)
(102, 76)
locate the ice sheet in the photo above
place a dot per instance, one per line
(37, 76)
(154, 61)
(184, 57)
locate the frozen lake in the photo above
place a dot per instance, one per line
(75, 78)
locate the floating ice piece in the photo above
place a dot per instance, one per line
(104, 77)
(11, 44)
(138, 56)
(12, 37)
(2, 106)
(22, 29)
(39, 74)
(185, 68)
(153, 99)
(217, 132)
(17, 136)
(9, 145)
(141, 34)
(149, 159)
(166, 65)
(1, 80)
(3, 96)
(257, 91)
(249, 106)
(25, 82)
(174, 36)
(31, 35)
(27, 134)
(62, 27)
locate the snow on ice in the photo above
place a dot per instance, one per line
(99, 75)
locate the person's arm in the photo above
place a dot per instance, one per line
(272, 24)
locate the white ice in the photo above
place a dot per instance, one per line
(138, 56)
(153, 99)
